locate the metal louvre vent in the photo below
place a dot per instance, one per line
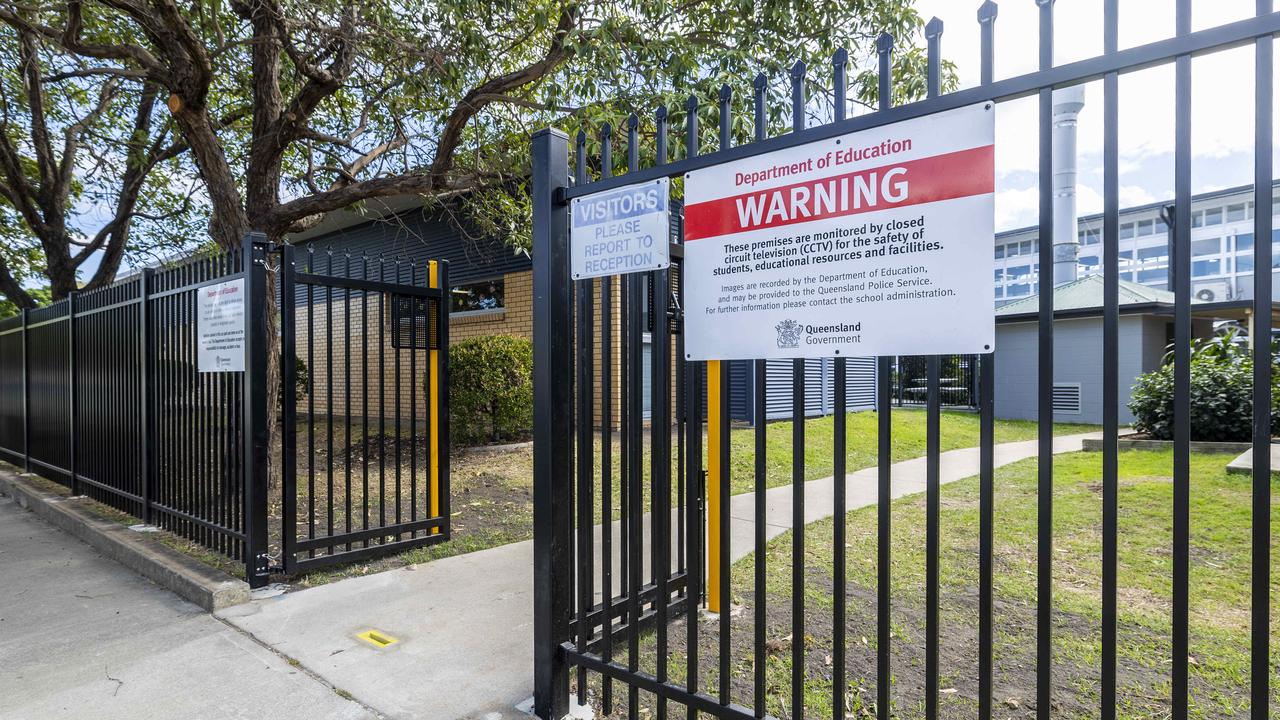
(414, 323)
(1066, 398)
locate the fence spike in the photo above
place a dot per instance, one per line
(988, 11)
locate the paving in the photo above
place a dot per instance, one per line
(82, 636)
(463, 625)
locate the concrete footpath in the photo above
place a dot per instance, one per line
(464, 624)
(84, 637)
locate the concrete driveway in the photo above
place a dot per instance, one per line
(81, 637)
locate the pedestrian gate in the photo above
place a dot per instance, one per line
(617, 620)
(365, 419)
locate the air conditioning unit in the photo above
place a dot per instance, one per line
(1211, 292)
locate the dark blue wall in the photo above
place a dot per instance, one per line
(416, 236)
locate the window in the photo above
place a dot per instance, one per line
(477, 296)
(1150, 276)
(999, 251)
(1146, 227)
(1126, 231)
(1018, 272)
(1235, 213)
(1244, 263)
(1244, 241)
(1155, 253)
(1208, 246)
(1201, 268)
(999, 292)
(1197, 219)
(1013, 249)
(1019, 290)
(999, 274)
(1213, 216)
(1024, 247)
(1125, 254)
(1089, 261)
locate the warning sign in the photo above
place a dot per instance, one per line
(877, 242)
(220, 327)
(621, 231)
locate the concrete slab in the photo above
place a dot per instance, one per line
(1243, 465)
(82, 636)
(464, 624)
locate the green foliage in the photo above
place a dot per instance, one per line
(42, 296)
(1221, 394)
(490, 389)
(301, 382)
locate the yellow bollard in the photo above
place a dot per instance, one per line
(715, 417)
(433, 402)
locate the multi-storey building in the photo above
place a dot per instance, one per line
(1221, 248)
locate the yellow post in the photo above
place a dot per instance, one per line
(714, 418)
(433, 403)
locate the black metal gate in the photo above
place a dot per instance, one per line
(365, 412)
(611, 616)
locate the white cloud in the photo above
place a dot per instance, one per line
(1016, 208)
(1133, 195)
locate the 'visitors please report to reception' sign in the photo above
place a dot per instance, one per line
(878, 242)
(621, 231)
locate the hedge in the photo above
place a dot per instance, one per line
(491, 389)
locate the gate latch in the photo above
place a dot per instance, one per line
(675, 315)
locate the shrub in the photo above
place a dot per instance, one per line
(1221, 395)
(491, 389)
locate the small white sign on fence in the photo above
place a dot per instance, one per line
(621, 231)
(220, 315)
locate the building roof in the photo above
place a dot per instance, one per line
(1086, 293)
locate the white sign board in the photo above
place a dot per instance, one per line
(621, 231)
(220, 313)
(877, 242)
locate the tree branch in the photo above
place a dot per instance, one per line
(472, 102)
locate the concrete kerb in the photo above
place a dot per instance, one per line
(191, 580)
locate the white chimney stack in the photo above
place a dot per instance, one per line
(1067, 104)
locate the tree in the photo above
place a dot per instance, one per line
(349, 100)
(85, 158)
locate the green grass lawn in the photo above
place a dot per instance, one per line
(1219, 593)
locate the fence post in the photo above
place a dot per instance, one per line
(71, 391)
(146, 361)
(26, 395)
(253, 257)
(552, 425)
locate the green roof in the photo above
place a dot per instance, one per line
(1086, 293)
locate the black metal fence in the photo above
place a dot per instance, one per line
(611, 617)
(104, 392)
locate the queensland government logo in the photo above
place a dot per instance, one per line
(789, 332)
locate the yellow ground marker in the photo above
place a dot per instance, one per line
(377, 638)
(714, 418)
(433, 401)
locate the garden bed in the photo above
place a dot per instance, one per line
(1142, 441)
